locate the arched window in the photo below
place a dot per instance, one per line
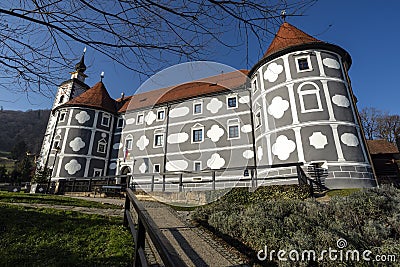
(310, 99)
(102, 146)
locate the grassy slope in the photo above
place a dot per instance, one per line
(51, 200)
(48, 237)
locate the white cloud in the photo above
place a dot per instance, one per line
(130, 121)
(318, 140)
(246, 128)
(244, 99)
(117, 146)
(214, 105)
(77, 144)
(179, 112)
(82, 117)
(143, 168)
(176, 165)
(278, 107)
(272, 72)
(113, 166)
(215, 162)
(341, 101)
(177, 138)
(72, 167)
(248, 154)
(331, 63)
(142, 142)
(215, 133)
(260, 153)
(349, 139)
(150, 118)
(283, 147)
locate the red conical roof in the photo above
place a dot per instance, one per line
(95, 97)
(288, 36)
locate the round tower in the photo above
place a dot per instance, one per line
(83, 134)
(304, 110)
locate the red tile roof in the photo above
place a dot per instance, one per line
(381, 146)
(201, 87)
(288, 36)
(95, 97)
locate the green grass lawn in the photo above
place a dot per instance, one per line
(49, 237)
(9, 197)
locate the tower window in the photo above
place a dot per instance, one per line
(232, 102)
(255, 85)
(197, 166)
(128, 143)
(102, 146)
(62, 116)
(120, 123)
(97, 172)
(61, 99)
(303, 63)
(105, 120)
(156, 168)
(258, 119)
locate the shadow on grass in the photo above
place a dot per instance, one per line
(47, 237)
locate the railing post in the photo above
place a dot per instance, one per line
(73, 185)
(140, 242)
(180, 182)
(163, 183)
(253, 180)
(213, 180)
(90, 185)
(152, 183)
(127, 208)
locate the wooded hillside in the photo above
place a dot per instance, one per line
(28, 126)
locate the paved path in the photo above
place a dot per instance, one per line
(195, 246)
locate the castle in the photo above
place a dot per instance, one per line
(295, 105)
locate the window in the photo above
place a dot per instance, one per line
(255, 85)
(158, 140)
(97, 172)
(56, 144)
(102, 146)
(120, 123)
(258, 119)
(160, 115)
(232, 102)
(197, 135)
(62, 116)
(140, 119)
(128, 142)
(61, 99)
(197, 166)
(233, 131)
(197, 108)
(310, 99)
(105, 120)
(156, 168)
(303, 63)
(246, 173)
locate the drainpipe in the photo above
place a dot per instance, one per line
(166, 145)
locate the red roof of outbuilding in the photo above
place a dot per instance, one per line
(381, 146)
(287, 36)
(95, 97)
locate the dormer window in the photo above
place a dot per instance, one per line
(160, 115)
(303, 63)
(105, 120)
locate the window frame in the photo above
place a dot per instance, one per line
(63, 115)
(236, 101)
(194, 108)
(315, 92)
(128, 138)
(140, 115)
(155, 139)
(105, 116)
(197, 127)
(118, 123)
(254, 84)
(238, 131)
(102, 142)
(308, 58)
(257, 119)
(97, 170)
(194, 166)
(154, 168)
(160, 111)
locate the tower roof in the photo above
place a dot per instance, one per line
(287, 36)
(96, 97)
(289, 39)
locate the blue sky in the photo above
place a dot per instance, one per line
(367, 30)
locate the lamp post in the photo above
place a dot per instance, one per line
(58, 149)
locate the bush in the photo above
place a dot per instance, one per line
(366, 219)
